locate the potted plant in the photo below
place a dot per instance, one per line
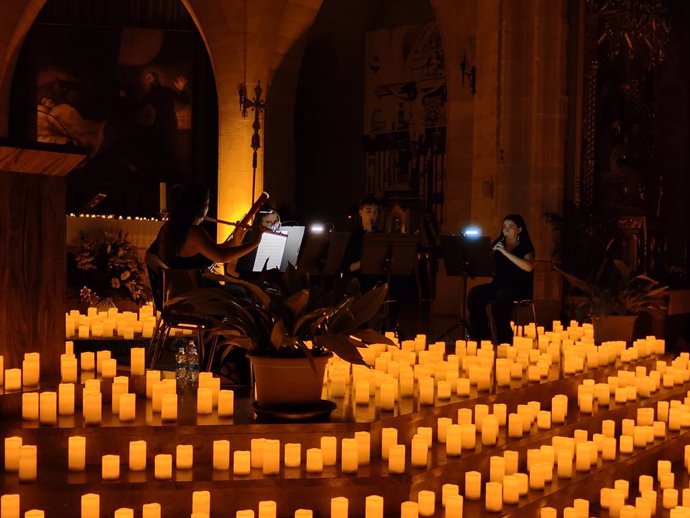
(290, 332)
(614, 297)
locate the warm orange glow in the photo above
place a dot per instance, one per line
(235, 168)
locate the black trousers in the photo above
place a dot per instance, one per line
(501, 299)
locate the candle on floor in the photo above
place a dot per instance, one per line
(241, 462)
(137, 361)
(473, 485)
(363, 447)
(48, 408)
(419, 451)
(137, 455)
(494, 496)
(454, 506)
(407, 510)
(12, 445)
(329, 449)
(124, 512)
(204, 401)
(184, 456)
(267, 509)
(76, 453)
(201, 502)
(66, 399)
(427, 503)
(511, 489)
(257, 449)
(314, 460)
(221, 455)
(28, 454)
(292, 454)
(110, 467)
(339, 507)
(163, 463)
(349, 456)
(90, 505)
(271, 457)
(169, 407)
(396, 458)
(9, 506)
(13, 380)
(226, 403)
(497, 468)
(127, 407)
(109, 368)
(389, 437)
(30, 406)
(373, 506)
(91, 407)
(68, 368)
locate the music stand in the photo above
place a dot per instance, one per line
(465, 257)
(313, 256)
(336, 251)
(389, 254)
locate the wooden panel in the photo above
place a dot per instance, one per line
(34, 161)
(32, 268)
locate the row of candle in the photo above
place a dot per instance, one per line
(106, 323)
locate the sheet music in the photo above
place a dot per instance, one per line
(294, 242)
(271, 248)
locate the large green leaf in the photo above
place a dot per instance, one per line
(342, 346)
(371, 336)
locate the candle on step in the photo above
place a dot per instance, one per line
(13, 379)
(204, 401)
(349, 456)
(110, 467)
(494, 496)
(109, 368)
(373, 506)
(314, 460)
(137, 455)
(169, 407)
(267, 509)
(30, 406)
(257, 450)
(184, 456)
(226, 403)
(292, 454)
(454, 506)
(68, 368)
(241, 462)
(66, 399)
(339, 507)
(271, 457)
(101, 356)
(163, 463)
(137, 361)
(221, 455)
(473, 485)
(419, 448)
(90, 505)
(9, 506)
(124, 512)
(426, 500)
(27, 462)
(329, 449)
(76, 453)
(363, 447)
(91, 407)
(389, 437)
(511, 489)
(127, 407)
(396, 458)
(12, 445)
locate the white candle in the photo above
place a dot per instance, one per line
(241, 462)
(494, 496)
(12, 445)
(68, 368)
(271, 457)
(419, 449)
(127, 407)
(90, 505)
(396, 458)
(407, 510)
(27, 462)
(226, 403)
(30, 406)
(137, 455)
(204, 401)
(169, 407)
(163, 466)
(329, 449)
(76, 453)
(48, 408)
(511, 490)
(489, 430)
(473, 485)
(184, 456)
(257, 450)
(9, 506)
(110, 467)
(91, 407)
(292, 454)
(454, 506)
(349, 456)
(221, 455)
(363, 447)
(497, 468)
(66, 399)
(389, 437)
(267, 509)
(13, 380)
(314, 460)
(427, 503)
(339, 507)
(373, 506)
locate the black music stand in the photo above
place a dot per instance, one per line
(465, 257)
(389, 254)
(322, 255)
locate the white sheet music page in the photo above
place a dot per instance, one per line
(271, 247)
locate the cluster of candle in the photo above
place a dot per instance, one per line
(28, 376)
(111, 216)
(111, 322)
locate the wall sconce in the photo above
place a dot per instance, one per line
(470, 72)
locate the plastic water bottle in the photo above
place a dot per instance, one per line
(192, 363)
(181, 366)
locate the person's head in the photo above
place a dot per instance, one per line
(48, 102)
(369, 209)
(189, 204)
(515, 229)
(151, 78)
(268, 218)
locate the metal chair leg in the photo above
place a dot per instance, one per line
(159, 346)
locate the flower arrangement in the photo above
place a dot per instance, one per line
(111, 268)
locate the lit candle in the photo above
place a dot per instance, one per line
(454, 506)
(12, 445)
(68, 368)
(88, 361)
(257, 449)
(497, 468)
(101, 356)
(27, 462)
(127, 407)
(137, 455)
(137, 361)
(204, 401)
(409, 510)
(244, 513)
(169, 407)
(463, 387)
(329, 448)
(442, 425)
(66, 399)
(387, 396)
(373, 506)
(109, 368)
(268, 509)
(389, 437)
(271, 457)
(221, 455)
(564, 463)
(448, 490)
(515, 425)
(163, 466)
(110, 467)
(124, 512)
(396, 458)
(625, 444)
(83, 332)
(454, 442)
(427, 502)
(91, 407)
(90, 505)
(363, 448)
(419, 451)
(76, 453)
(48, 408)
(30, 406)
(226, 403)
(670, 498)
(292, 453)
(473, 485)
(490, 430)
(362, 392)
(349, 456)
(184, 456)
(582, 507)
(582, 457)
(314, 460)
(304, 513)
(9, 506)
(339, 507)
(494, 496)
(511, 489)
(152, 376)
(241, 462)
(469, 436)
(511, 459)
(13, 379)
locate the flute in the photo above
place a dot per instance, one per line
(241, 225)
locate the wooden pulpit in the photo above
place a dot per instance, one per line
(33, 257)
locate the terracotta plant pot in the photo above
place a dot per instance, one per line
(289, 381)
(614, 327)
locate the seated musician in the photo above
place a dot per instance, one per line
(182, 244)
(369, 210)
(266, 220)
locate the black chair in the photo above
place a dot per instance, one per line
(519, 308)
(167, 283)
